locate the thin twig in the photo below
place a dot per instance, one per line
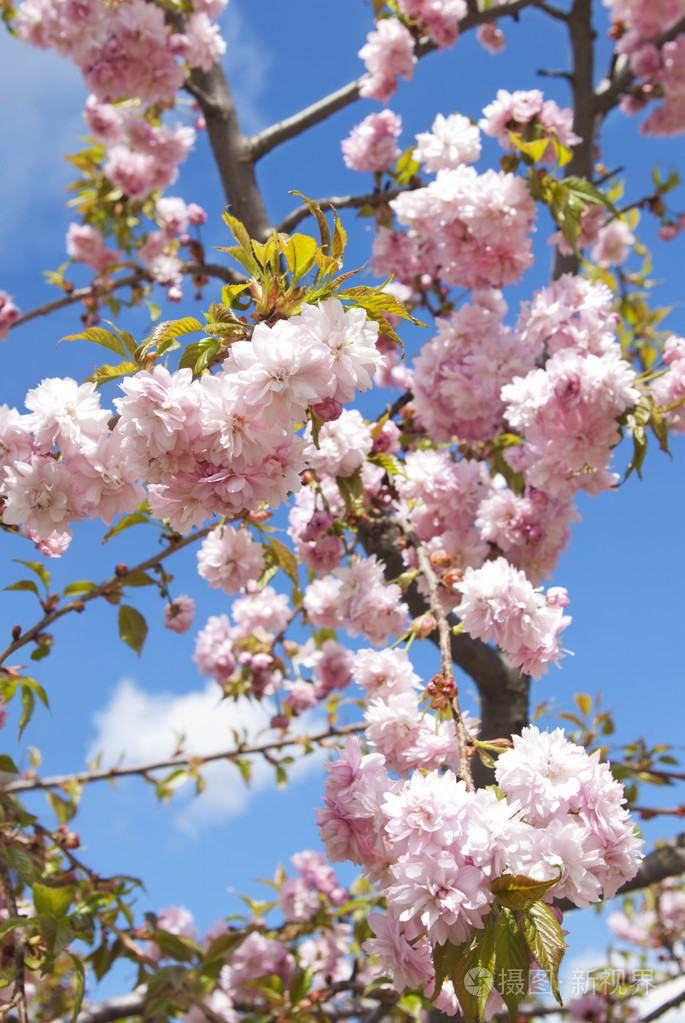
(62, 781)
(19, 994)
(139, 276)
(337, 202)
(445, 646)
(290, 127)
(107, 586)
(672, 1003)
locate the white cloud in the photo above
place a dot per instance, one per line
(140, 727)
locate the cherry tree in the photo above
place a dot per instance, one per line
(380, 468)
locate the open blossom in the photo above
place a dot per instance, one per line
(343, 445)
(350, 339)
(371, 145)
(388, 52)
(499, 603)
(230, 558)
(86, 244)
(179, 613)
(452, 140)
(613, 244)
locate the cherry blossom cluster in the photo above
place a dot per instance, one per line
(515, 112)
(371, 145)
(124, 49)
(639, 25)
(434, 848)
(221, 444)
(668, 390)
(657, 921)
(467, 228)
(389, 50)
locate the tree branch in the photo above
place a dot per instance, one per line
(179, 760)
(107, 586)
(337, 202)
(137, 277)
(671, 1003)
(276, 134)
(231, 149)
(119, 1007)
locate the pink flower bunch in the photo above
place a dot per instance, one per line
(299, 897)
(9, 314)
(245, 648)
(439, 18)
(669, 388)
(567, 413)
(357, 597)
(179, 613)
(491, 37)
(310, 519)
(515, 111)
(387, 53)
(174, 920)
(371, 145)
(342, 445)
(657, 920)
(123, 49)
(477, 225)
(569, 313)
(46, 495)
(613, 245)
(451, 141)
(459, 375)
(86, 245)
(435, 848)
(499, 603)
(441, 498)
(229, 559)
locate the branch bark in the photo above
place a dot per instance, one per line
(231, 149)
(183, 760)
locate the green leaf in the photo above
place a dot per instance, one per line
(299, 252)
(243, 252)
(164, 335)
(102, 337)
(583, 703)
(511, 962)
(222, 946)
(545, 941)
(134, 519)
(38, 567)
(377, 300)
(80, 985)
(469, 978)
(104, 374)
(324, 229)
(138, 579)
(516, 891)
(132, 627)
(285, 558)
(79, 586)
(199, 354)
(177, 946)
(53, 901)
(56, 933)
(7, 765)
(339, 239)
(406, 167)
(534, 149)
(25, 584)
(64, 809)
(22, 863)
(445, 958)
(28, 701)
(12, 922)
(351, 490)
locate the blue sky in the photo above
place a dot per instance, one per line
(623, 570)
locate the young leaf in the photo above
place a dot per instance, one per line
(38, 567)
(128, 520)
(100, 336)
(285, 558)
(54, 901)
(511, 962)
(132, 627)
(166, 333)
(80, 984)
(516, 891)
(324, 229)
(545, 941)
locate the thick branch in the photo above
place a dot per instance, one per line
(231, 150)
(178, 760)
(337, 202)
(108, 586)
(139, 276)
(120, 1007)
